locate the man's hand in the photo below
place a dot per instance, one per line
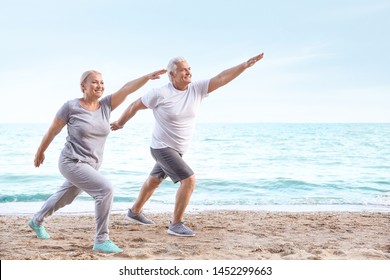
(252, 61)
(115, 126)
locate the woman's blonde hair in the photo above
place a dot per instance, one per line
(85, 75)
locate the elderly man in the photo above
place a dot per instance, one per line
(175, 106)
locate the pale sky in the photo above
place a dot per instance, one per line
(325, 61)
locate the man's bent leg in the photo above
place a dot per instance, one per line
(183, 196)
(147, 190)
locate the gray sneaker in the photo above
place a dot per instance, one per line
(180, 229)
(139, 218)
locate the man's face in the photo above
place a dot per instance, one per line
(183, 74)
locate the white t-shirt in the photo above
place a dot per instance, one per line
(175, 114)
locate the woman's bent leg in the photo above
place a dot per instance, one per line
(88, 179)
(64, 196)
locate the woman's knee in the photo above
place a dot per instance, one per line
(108, 188)
(103, 189)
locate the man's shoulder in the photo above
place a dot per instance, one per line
(162, 89)
(200, 82)
(199, 86)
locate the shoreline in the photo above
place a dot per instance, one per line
(81, 207)
(220, 235)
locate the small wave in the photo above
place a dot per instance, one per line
(23, 198)
(33, 198)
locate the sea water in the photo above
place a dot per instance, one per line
(275, 167)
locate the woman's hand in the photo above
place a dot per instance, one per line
(156, 75)
(39, 159)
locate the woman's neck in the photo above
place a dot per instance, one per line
(90, 104)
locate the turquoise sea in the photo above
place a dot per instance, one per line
(272, 167)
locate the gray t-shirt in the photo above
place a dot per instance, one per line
(87, 130)
(175, 114)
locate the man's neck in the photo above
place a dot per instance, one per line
(180, 87)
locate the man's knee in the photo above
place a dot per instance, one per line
(153, 182)
(189, 182)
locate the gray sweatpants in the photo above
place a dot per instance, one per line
(81, 177)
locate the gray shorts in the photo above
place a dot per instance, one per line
(170, 163)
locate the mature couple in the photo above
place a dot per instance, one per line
(174, 107)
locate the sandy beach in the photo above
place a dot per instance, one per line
(219, 235)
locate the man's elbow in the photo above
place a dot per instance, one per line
(139, 105)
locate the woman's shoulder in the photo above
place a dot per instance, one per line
(69, 103)
(72, 102)
(106, 99)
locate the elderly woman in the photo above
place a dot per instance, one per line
(87, 120)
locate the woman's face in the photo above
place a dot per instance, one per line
(94, 85)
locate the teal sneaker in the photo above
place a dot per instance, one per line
(40, 231)
(107, 247)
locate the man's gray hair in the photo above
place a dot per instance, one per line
(172, 65)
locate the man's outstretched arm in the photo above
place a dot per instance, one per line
(128, 114)
(230, 74)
